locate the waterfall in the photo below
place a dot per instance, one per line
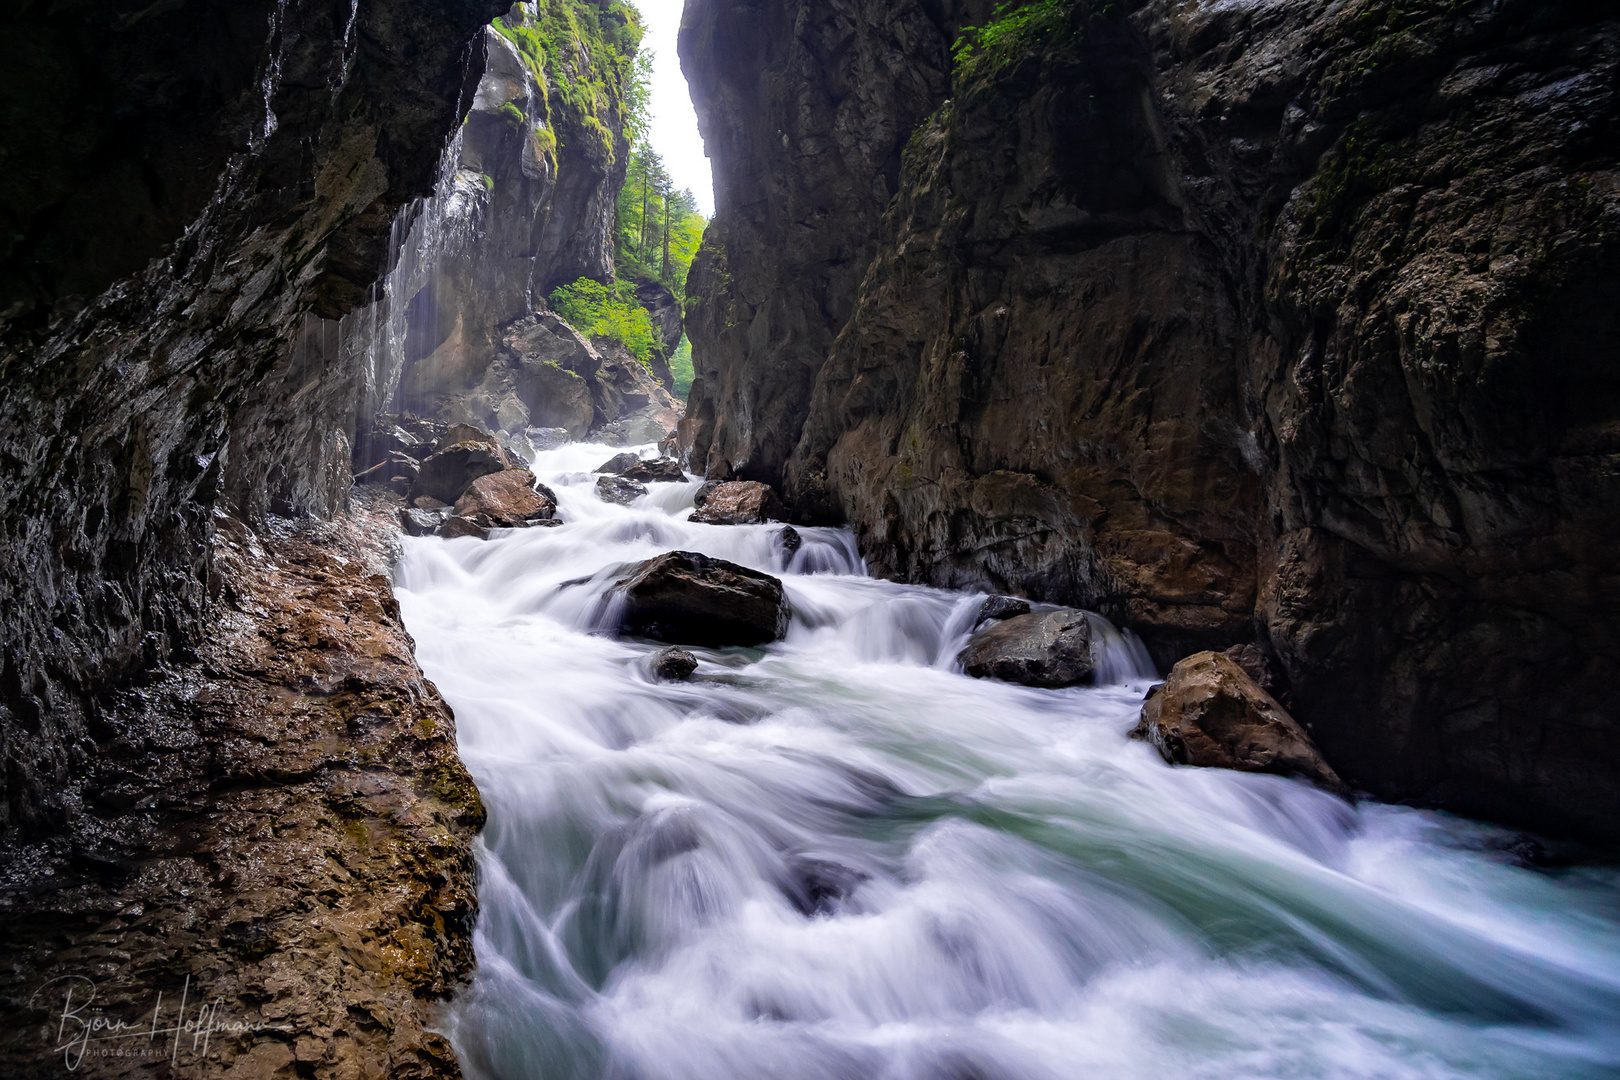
(838, 856)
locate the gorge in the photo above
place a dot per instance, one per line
(1138, 341)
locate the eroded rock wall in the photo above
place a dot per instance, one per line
(1280, 321)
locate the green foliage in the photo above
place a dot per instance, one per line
(582, 54)
(513, 114)
(609, 312)
(680, 366)
(1018, 27)
(658, 229)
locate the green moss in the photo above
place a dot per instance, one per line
(513, 115)
(489, 182)
(1018, 27)
(1362, 166)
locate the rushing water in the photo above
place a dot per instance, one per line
(836, 857)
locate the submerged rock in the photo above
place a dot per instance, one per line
(507, 500)
(674, 664)
(1048, 649)
(616, 489)
(686, 598)
(1209, 712)
(997, 608)
(738, 502)
(446, 473)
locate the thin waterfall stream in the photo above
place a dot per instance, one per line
(836, 856)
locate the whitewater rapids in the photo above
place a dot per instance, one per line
(836, 857)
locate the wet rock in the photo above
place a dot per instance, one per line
(546, 438)
(657, 470)
(446, 474)
(421, 522)
(817, 886)
(1048, 649)
(1210, 713)
(790, 540)
(464, 433)
(674, 664)
(1255, 665)
(738, 502)
(428, 502)
(616, 489)
(510, 499)
(618, 463)
(701, 495)
(457, 526)
(997, 608)
(690, 599)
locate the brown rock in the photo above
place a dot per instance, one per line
(1049, 649)
(690, 599)
(1209, 712)
(461, 526)
(507, 500)
(460, 433)
(618, 463)
(666, 470)
(446, 474)
(739, 502)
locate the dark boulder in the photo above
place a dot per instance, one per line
(738, 502)
(507, 500)
(686, 598)
(997, 608)
(618, 463)
(446, 474)
(1209, 712)
(658, 470)
(1048, 649)
(790, 540)
(673, 664)
(616, 489)
(461, 526)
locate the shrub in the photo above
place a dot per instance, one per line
(607, 312)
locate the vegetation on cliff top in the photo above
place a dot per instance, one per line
(610, 312)
(1018, 27)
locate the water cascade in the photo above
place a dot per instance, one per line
(839, 857)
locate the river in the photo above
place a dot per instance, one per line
(836, 857)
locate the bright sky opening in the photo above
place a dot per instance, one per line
(674, 124)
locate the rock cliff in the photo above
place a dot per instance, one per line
(195, 195)
(1282, 322)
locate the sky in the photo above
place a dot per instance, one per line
(674, 124)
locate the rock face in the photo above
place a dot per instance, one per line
(1229, 322)
(690, 599)
(167, 276)
(1209, 712)
(507, 500)
(738, 502)
(282, 819)
(1049, 649)
(529, 206)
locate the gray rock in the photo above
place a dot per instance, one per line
(996, 608)
(446, 474)
(674, 664)
(616, 489)
(421, 522)
(790, 540)
(657, 470)
(738, 502)
(1049, 649)
(690, 599)
(618, 463)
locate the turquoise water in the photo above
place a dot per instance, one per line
(836, 857)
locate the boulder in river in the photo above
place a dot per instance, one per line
(457, 525)
(686, 598)
(790, 541)
(674, 664)
(1048, 649)
(447, 472)
(509, 499)
(663, 470)
(738, 502)
(619, 462)
(1209, 712)
(997, 608)
(617, 489)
